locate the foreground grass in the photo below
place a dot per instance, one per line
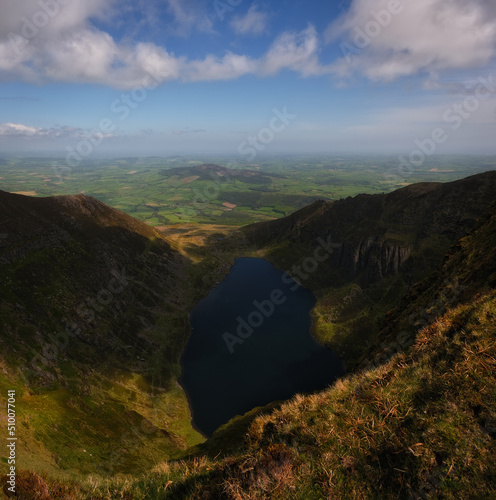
(421, 426)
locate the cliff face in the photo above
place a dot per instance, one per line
(372, 259)
(408, 220)
(467, 273)
(381, 243)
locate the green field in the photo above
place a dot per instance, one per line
(167, 191)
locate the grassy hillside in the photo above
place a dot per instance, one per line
(417, 420)
(380, 244)
(421, 425)
(93, 318)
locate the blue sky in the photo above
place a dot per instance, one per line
(215, 76)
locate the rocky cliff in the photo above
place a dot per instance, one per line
(382, 244)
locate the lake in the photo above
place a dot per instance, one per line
(251, 345)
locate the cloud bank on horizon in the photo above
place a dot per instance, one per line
(126, 45)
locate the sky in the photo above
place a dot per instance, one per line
(87, 78)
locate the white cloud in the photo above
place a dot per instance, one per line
(83, 56)
(70, 49)
(31, 19)
(187, 16)
(296, 51)
(17, 129)
(20, 130)
(419, 36)
(211, 68)
(253, 23)
(63, 45)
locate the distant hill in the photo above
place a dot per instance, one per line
(212, 172)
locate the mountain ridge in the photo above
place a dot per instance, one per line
(93, 315)
(382, 245)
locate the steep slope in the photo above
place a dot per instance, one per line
(380, 246)
(422, 425)
(467, 273)
(93, 319)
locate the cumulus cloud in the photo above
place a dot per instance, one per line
(20, 130)
(415, 36)
(295, 51)
(17, 129)
(212, 68)
(48, 18)
(69, 48)
(253, 23)
(57, 41)
(187, 16)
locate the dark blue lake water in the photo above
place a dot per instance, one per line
(251, 345)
